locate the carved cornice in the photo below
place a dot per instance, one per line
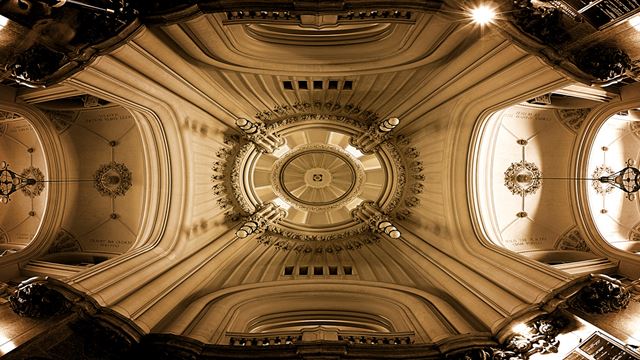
(353, 239)
(167, 12)
(282, 115)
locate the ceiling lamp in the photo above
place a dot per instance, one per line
(483, 14)
(112, 179)
(11, 182)
(525, 178)
(627, 179)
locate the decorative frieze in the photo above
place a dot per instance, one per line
(411, 178)
(340, 242)
(296, 17)
(317, 110)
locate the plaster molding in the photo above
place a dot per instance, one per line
(629, 262)
(55, 167)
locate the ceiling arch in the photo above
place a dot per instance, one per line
(390, 308)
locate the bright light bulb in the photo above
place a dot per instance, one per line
(483, 14)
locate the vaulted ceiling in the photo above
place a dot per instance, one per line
(153, 123)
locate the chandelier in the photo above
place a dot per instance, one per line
(627, 180)
(11, 182)
(112, 179)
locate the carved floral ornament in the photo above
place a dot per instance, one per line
(262, 135)
(523, 178)
(112, 179)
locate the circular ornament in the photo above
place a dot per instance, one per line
(523, 178)
(317, 177)
(112, 179)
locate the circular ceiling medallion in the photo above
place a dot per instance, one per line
(317, 177)
(523, 178)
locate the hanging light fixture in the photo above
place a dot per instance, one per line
(627, 179)
(113, 179)
(11, 182)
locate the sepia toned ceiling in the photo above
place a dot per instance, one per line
(169, 177)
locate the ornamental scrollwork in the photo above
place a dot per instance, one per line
(317, 110)
(523, 178)
(540, 338)
(634, 234)
(410, 177)
(600, 187)
(112, 179)
(572, 118)
(601, 297)
(603, 62)
(222, 178)
(337, 245)
(572, 240)
(236, 181)
(37, 300)
(64, 242)
(35, 189)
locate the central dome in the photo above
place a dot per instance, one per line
(316, 177)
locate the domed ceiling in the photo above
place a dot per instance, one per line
(316, 175)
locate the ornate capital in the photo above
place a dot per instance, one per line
(258, 134)
(260, 220)
(377, 133)
(377, 221)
